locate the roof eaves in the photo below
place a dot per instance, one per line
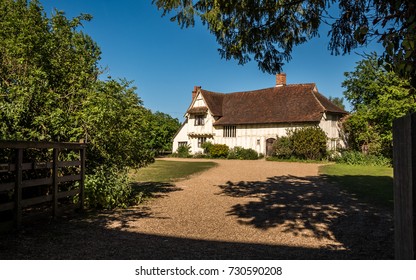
(338, 110)
(263, 123)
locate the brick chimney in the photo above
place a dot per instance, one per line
(195, 92)
(280, 79)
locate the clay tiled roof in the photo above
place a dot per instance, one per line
(284, 104)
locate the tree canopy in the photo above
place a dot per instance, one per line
(164, 128)
(50, 90)
(378, 96)
(339, 101)
(267, 30)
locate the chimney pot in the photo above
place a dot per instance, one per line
(280, 79)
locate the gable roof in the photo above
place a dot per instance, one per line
(283, 104)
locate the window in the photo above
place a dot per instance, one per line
(199, 120)
(229, 131)
(201, 140)
(184, 143)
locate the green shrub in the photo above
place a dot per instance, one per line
(358, 158)
(183, 151)
(218, 151)
(242, 153)
(107, 188)
(234, 153)
(309, 143)
(200, 155)
(207, 147)
(283, 147)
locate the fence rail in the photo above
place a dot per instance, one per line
(20, 189)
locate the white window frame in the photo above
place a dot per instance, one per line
(201, 140)
(199, 120)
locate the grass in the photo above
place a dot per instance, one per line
(293, 159)
(160, 176)
(372, 184)
(170, 171)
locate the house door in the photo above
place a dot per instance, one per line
(269, 146)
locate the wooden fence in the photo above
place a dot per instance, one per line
(404, 159)
(39, 177)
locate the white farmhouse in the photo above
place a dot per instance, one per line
(253, 119)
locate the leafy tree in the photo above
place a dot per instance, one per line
(50, 91)
(115, 125)
(339, 101)
(378, 96)
(267, 30)
(164, 128)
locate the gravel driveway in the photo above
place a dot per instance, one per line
(236, 210)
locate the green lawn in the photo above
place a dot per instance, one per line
(169, 171)
(158, 178)
(371, 184)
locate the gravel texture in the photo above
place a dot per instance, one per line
(236, 210)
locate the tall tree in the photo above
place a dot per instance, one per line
(339, 101)
(267, 30)
(50, 91)
(378, 96)
(49, 88)
(164, 128)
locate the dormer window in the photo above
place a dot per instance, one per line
(199, 120)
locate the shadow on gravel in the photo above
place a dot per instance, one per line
(94, 239)
(309, 206)
(299, 205)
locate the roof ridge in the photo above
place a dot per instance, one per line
(332, 103)
(302, 84)
(317, 100)
(261, 89)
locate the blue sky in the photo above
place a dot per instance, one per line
(166, 62)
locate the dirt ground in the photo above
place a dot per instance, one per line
(236, 210)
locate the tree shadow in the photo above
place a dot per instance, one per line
(91, 238)
(375, 190)
(312, 207)
(300, 205)
(147, 190)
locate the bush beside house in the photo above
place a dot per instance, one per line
(306, 143)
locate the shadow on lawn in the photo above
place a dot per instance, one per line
(376, 190)
(146, 190)
(310, 206)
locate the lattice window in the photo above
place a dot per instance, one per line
(229, 131)
(199, 120)
(201, 140)
(182, 143)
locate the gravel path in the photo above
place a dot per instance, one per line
(236, 210)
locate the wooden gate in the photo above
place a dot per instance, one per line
(39, 177)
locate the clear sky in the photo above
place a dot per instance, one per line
(166, 62)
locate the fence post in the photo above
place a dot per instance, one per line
(404, 160)
(18, 187)
(81, 191)
(55, 181)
